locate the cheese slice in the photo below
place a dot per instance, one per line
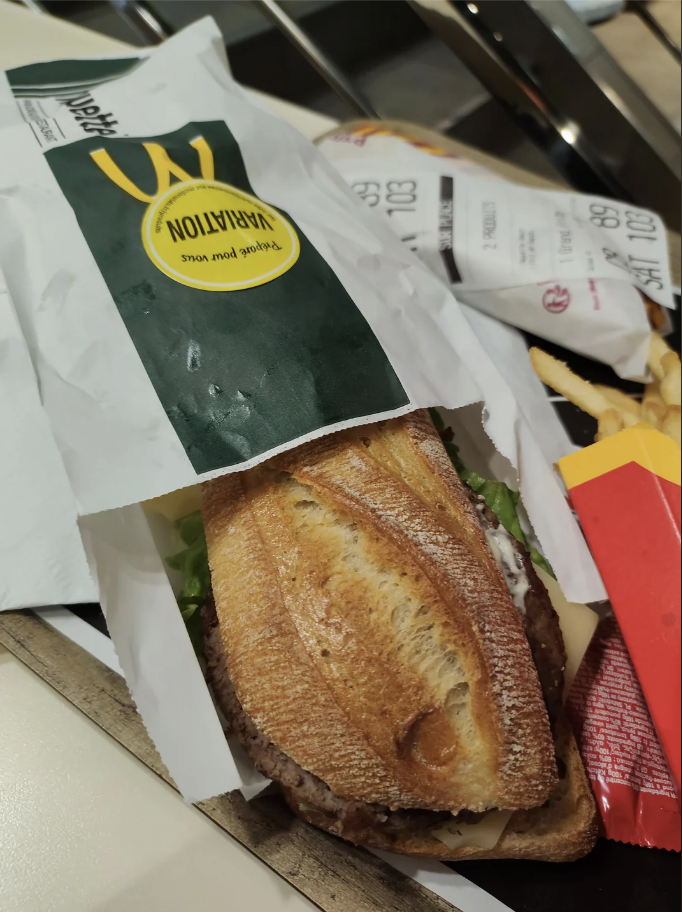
(485, 834)
(578, 623)
(176, 504)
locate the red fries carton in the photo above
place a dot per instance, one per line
(626, 491)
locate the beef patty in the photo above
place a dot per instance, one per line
(353, 820)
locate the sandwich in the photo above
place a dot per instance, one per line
(384, 650)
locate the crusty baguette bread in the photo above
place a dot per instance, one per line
(367, 629)
(564, 829)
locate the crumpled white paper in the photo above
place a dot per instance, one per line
(564, 266)
(42, 560)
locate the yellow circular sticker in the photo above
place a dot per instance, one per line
(210, 235)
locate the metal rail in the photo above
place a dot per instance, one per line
(640, 9)
(482, 51)
(140, 16)
(553, 76)
(153, 30)
(327, 69)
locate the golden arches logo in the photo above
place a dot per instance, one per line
(205, 233)
(163, 165)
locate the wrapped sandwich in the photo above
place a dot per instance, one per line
(384, 649)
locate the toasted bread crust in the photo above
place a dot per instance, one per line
(563, 830)
(382, 651)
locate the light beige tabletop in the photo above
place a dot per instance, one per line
(84, 826)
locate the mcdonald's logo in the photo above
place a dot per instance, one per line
(164, 167)
(202, 232)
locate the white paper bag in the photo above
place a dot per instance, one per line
(42, 560)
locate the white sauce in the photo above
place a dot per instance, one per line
(510, 564)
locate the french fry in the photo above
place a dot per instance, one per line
(610, 423)
(563, 381)
(660, 408)
(652, 393)
(672, 423)
(653, 405)
(671, 387)
(658, 349)
(621, 400)
(655, 313)
(671, 384)
(670, 362)
(653, 413)
(629, 420)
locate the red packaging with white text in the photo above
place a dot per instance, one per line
(635, 794)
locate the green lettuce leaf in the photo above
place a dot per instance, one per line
(497, 495)
(192, 562)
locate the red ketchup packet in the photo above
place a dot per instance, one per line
(635, 793)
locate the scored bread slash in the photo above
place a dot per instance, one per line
(330, 533)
